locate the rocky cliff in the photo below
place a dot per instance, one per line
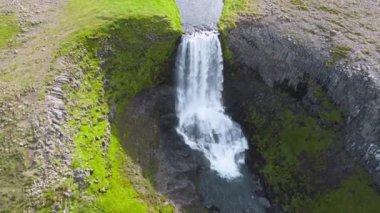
(277, 59)
(313, 53)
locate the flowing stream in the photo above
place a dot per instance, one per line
(202, 120)
(227, 185)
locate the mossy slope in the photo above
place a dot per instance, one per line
(231, 10)
(121, 48)
(8, 29)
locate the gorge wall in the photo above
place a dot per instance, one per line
(278, 59)
(319, 85)
(88, 117)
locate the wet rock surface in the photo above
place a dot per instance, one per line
(155, 145)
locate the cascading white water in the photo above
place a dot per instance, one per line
(202, 120)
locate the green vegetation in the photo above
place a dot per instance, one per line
(355, 195)
(141, 48)
(337, 22)
(328, 112)
(300, 4)
(286, 140)
(86, 16)
(329, 10)
(8, 29)
(294, 147)
(121, 48)
(231, 11)
(102, 153)
(339, 52)
(145, 61)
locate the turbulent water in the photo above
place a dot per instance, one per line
(202, 119)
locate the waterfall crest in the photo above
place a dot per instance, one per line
(202, 120)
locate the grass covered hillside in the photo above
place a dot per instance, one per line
(87, 16)
(8, 29)
(137, 40)
(105, 52)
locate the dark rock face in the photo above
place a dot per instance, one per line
(149, 122)
(245, 90)
(177, 173)
(278, 59)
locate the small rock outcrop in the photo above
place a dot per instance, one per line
(52, 148)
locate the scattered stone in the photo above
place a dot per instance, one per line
(68, 193)
(264, 202)
(103, 190)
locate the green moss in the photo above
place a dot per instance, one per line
(94, 149)
(296, 2)
(357, 194)
(300, 4)
(328, 112)
(231, 10)
(141, 50)
(336, 22)
(142, 37)
(8, 29)
(338, 52)
(86, 25)
(285, 140)
(88, 112)
(294, 147)
(143, 62)
(329, 10)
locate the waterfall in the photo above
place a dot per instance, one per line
(202, 120)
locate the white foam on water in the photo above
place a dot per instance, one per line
(202, 119)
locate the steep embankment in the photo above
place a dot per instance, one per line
(104, 53)
(304, 85)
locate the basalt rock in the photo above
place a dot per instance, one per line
(267, 51)
(149, 122)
